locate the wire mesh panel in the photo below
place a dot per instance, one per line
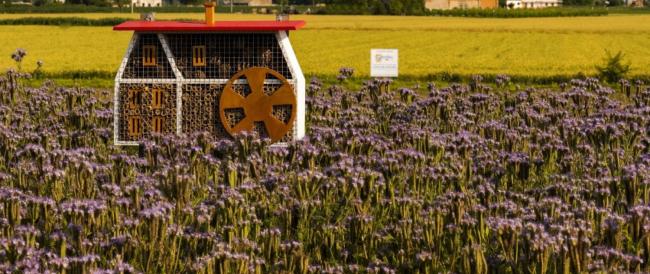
(221, 55)
(146, 109)
(148, 60)
(201, 110)
(147, 105)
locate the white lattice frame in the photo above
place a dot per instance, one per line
(298, 82)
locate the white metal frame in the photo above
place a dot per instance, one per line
(116, 96)
(298, 82)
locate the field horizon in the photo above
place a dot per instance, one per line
(552, 47)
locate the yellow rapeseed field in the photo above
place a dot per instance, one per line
(526, 46)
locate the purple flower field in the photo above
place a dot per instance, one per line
(460, 179)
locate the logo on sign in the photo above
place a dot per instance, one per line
(383, 62)
(383, 58)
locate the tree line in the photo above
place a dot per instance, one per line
(397, 7)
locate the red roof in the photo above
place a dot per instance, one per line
(161, 26)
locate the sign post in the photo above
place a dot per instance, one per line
(384, 62)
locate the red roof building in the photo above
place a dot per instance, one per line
(254, 26)
(221, 77)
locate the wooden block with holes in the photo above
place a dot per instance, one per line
(149, 55)
(134, 99)
(158, 124)
(157, 98)
(198, 56)
(135, 126)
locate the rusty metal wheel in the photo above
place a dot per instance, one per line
(257, 105)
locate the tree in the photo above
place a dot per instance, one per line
(122, 3)
(614, 68)
(396, 7)
(578, 2)
(39, 3)
(616, 2)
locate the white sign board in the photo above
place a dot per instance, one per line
(383, 62)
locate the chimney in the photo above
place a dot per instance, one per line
(149, 16)
(209, 13)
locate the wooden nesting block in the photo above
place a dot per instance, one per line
(154, 105)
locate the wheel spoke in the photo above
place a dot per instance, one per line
(231, 99)
(276, 128)
(244, 125)
(255, 78)
(283, 96)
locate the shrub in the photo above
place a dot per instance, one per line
(78, 8)
(486, 13)
(520, 13)
(63, 21)
(614, 68)
(68, 21)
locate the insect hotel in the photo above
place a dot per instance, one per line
(221, 77)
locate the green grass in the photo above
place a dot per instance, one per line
(105, 83)
(627, 10)
(63, 21)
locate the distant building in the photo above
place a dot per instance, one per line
(532, 4)
(252, 3)
(635, 3)
(147, 3)
(460, 4)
